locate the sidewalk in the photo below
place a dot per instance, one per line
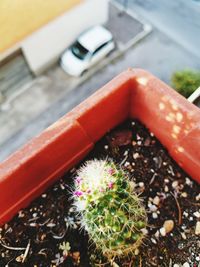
(126, 27)
(122, 25)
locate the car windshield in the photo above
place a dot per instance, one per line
(79, 51)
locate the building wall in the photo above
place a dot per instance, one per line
(19, 18)
(45, 46)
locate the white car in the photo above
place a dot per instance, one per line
(90, 47)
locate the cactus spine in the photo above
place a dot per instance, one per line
(111, 211)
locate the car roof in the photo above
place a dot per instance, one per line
(94, 37)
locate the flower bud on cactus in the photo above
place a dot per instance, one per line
(111, 212)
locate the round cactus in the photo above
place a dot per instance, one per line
(111, 212)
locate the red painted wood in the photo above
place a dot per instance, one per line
(134, 93)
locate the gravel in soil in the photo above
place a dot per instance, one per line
(47, 232)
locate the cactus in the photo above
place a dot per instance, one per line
(111, 212)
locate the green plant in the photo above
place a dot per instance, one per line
(65, 247)
(186, 81)
(111, 211)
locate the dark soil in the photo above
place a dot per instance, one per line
(35, 236)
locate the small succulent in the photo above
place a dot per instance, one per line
(111, 212)
(65, 247)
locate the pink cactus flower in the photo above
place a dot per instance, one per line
(78, 180)
(78, 193)
(111, 171)
(110, 185)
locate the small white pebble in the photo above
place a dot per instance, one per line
(154, 215)
(72, 209)
(198, 197)
(144, 231)
(198, 258)
(50, 225)
(127, 164)
(21, 214)
(166, 180)
(166, 188)
(136, 252)
(156, 200)
(106, 147)
(197, 214)
(62, 186)
(133, 163)
(176, 265)
(183, 227)
(175, 184)
(132, 123)
(141, 184)
(186, 264)
(138, 137)
(44, 195)
(185, 214)
(168, 225)
(162, 231)
(153, 241)
(188, 181)
(136, 155)
(157, 234)
(151, 134)
(197, 228)
(183, 235)
(191, 218)
(164, 163)
(184, 194)
(126, 153)
(33, 224)
(152, 207)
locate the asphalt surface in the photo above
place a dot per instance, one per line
(156, 53)
(179, 19)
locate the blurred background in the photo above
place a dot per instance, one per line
(55, 53)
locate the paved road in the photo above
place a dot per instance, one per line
(179, 19)
(156, 53)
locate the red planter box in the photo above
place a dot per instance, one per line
(132, 94)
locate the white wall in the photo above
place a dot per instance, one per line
(44, 46)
